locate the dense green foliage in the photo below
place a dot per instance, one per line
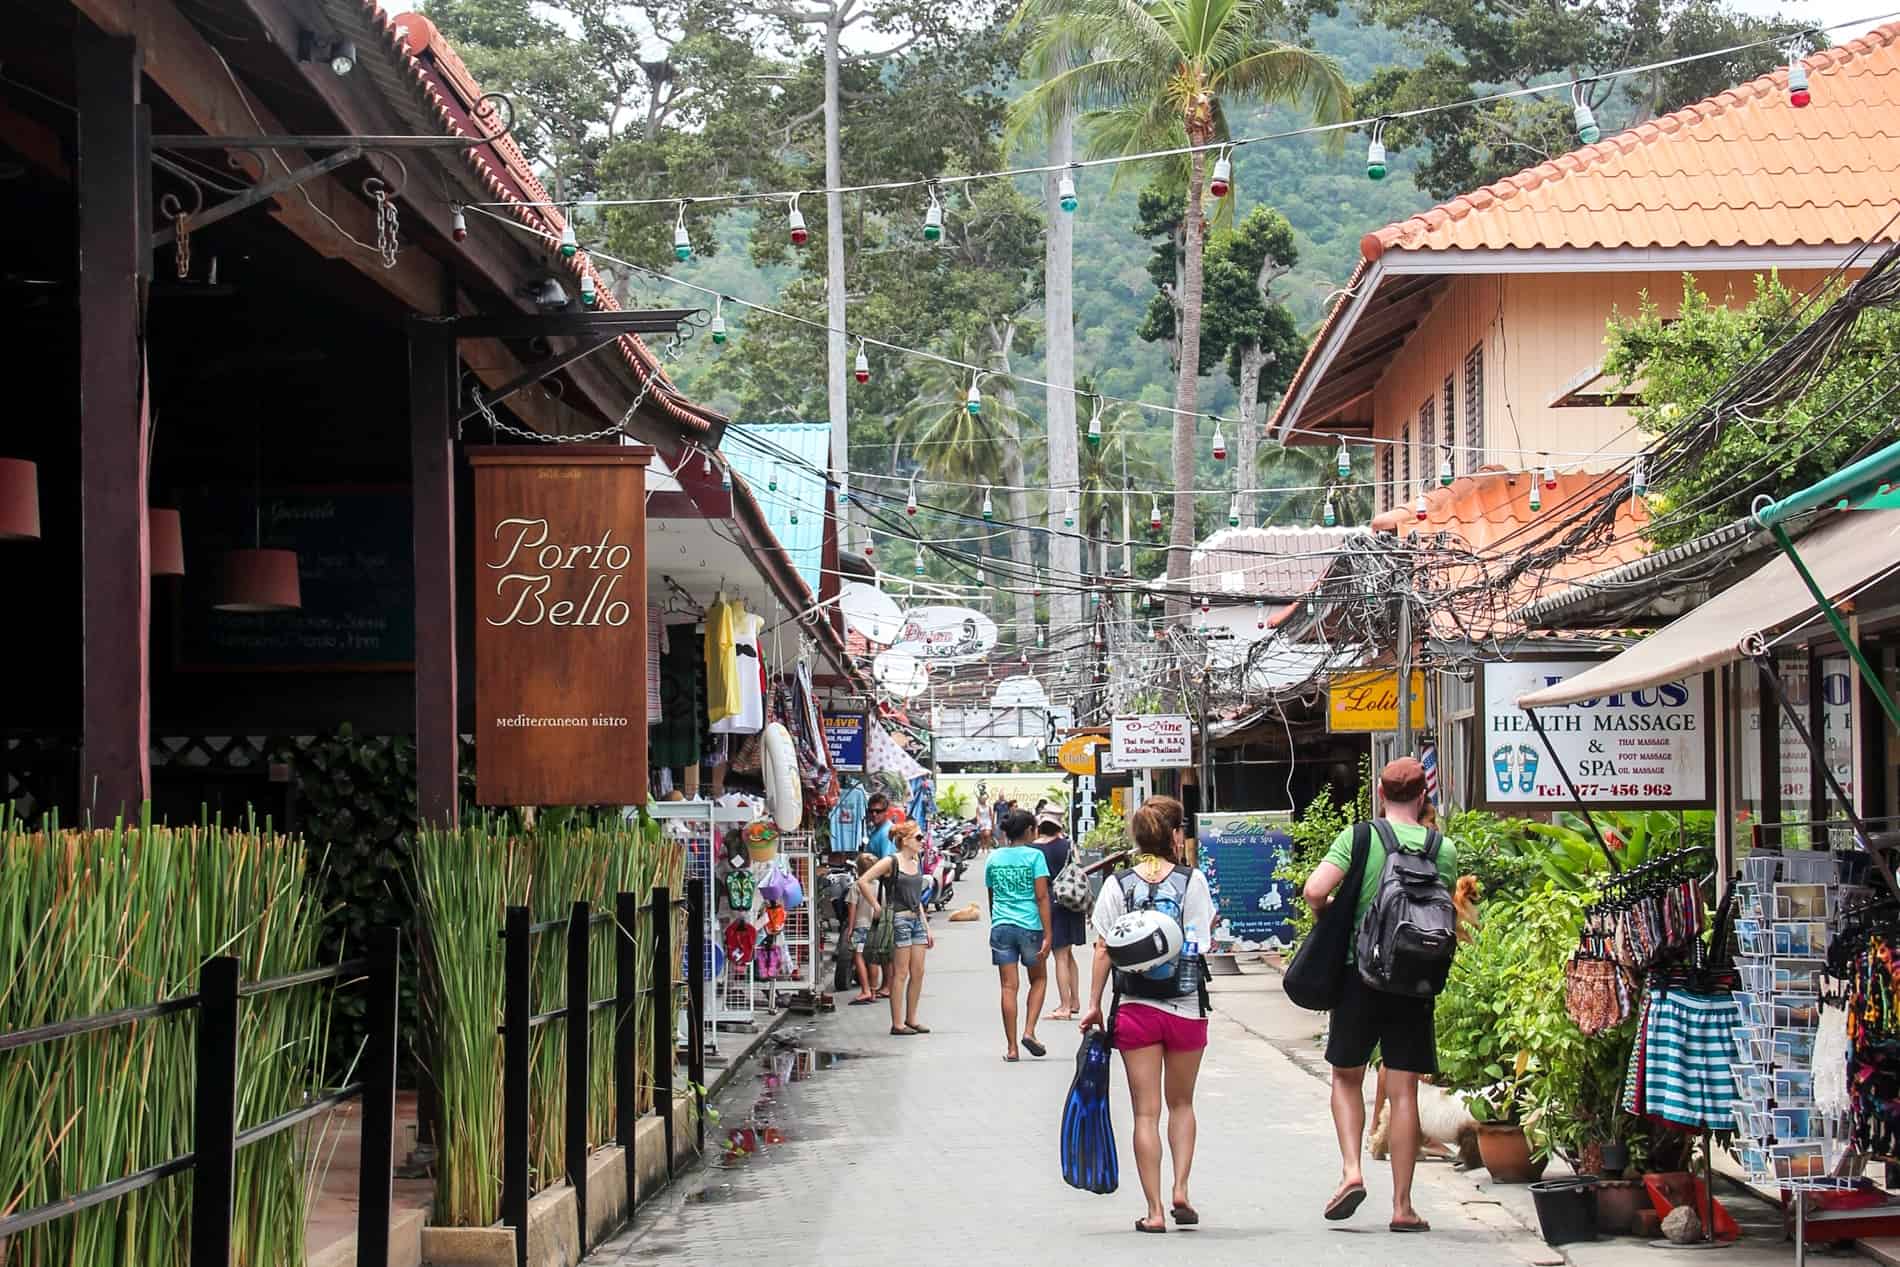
(1680, 361)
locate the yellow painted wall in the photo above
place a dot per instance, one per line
(1540, 331)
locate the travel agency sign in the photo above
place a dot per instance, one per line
(560, 625)
(1634, 749)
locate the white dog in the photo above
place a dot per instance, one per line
(1446, 1124)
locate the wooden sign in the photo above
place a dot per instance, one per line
(1357, 703)
(560, 625)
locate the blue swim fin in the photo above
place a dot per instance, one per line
(1089, 1159)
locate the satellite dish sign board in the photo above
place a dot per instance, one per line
(871, 612)
(946, 635)
(900, 674)
(1157, 741)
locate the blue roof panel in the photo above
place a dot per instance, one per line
(794, 454)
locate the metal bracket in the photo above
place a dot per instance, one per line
(538, 371)
(336, 151)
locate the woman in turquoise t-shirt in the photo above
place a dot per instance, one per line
(1017, 877)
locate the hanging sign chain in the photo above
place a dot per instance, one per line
(495, 424)
(386, 226)
(181, 224)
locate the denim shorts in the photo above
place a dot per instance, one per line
(911, 931)
(858, 937)
(1012, 944)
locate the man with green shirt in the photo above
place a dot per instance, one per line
(1398, 1026)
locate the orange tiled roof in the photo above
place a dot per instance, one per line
(1741, 168)
(1490, 512)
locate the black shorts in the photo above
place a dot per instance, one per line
(1399, 1026)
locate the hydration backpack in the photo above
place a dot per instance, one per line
(1181, 976)
(1411, 930)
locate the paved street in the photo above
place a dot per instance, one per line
(933, 1150)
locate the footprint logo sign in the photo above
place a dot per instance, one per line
(1514, 763)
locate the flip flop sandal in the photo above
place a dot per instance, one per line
(915, 1028)
(1035, 1047)
(1420, 1226)
(1186, 1215)
(1346, 1204)
(1141, 1225)
(862, 1002)
(903, 1031)
(1011, 1059)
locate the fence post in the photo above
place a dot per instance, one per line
(577, 1073)
(378, 1155)
(516, 1010)
(663, 1016)
(699, 956)
(214, 1114)
(627, 1041)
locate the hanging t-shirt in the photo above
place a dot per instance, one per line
(847, 821)
(723, 691)
(749, 717)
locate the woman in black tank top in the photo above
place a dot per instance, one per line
(899, 880)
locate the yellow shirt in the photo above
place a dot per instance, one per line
(723, 698)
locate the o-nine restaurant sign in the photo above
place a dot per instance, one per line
(560, 625)
(1634, 749)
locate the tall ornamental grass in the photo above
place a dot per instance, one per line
(465, 881)
(93, 921)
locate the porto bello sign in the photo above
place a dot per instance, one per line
(529, 563)
(560, 625)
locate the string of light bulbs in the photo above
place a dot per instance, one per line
(1794, 43)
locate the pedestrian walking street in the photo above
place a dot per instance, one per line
(874, 1150)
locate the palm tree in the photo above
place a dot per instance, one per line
(1156, 79)
(961, 448)
(1309, 474)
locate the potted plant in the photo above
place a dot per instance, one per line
(1504, 1112)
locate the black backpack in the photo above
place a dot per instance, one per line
(1410, 932)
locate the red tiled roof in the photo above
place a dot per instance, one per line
(1741, 168)
(447, 87)
(1491, 513)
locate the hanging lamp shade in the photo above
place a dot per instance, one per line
(19, 500)
(167, 548)
(259, 581)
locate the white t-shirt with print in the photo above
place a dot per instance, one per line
(1197, 909)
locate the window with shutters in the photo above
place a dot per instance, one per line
(1405, 462)
(1451, 425)
(1474, 407)
(1427, 439)
(1385, 476)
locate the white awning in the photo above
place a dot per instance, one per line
(1843, 556)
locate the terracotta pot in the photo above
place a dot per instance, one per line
(1507, 1154)
(1617, 1203)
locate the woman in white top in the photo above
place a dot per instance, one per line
(1161, 1017)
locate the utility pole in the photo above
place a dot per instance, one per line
(835, 347)
(1405, 668)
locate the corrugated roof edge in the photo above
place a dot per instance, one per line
(1645, 568)
(410, 35)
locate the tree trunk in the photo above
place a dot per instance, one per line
(1187, 391)
(835, 347)
(1247, 444)
(1021, 544)
(1065, 548)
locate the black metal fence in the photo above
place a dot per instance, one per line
(519, 1021)
(216, 1137)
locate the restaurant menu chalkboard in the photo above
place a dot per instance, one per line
(1239, 854)
(355, 562)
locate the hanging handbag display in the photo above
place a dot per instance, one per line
(1317, 976)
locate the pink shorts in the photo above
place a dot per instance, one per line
(1137, 1025)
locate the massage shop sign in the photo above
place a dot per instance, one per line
(560, 625)
(1642, 748)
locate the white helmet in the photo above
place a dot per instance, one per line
(1142, 939)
